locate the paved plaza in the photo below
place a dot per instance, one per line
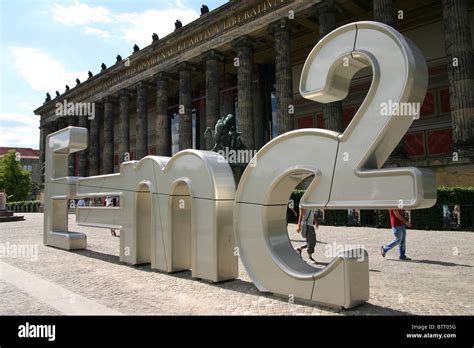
(438, 281)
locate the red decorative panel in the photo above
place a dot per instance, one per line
(305, 122)
(440, 141)
(415, 144)
(444, 99)
(428, 108)
(348, 115)
(320, 120)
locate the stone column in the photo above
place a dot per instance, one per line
(124, 127)
(332, 112)
(82, 155)
(163, 140)
(185, 107)
(258, 108)
(245, 121)
(460, 56)
(108, 148)
(94, 140)
(142, 121)
(283, 76)
(383, 11)
(212, 59)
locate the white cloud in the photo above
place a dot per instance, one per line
(180, 4)
(22, 130)
(42, 72)
(134, 27)
(138, 27)
(80, 14)
(99, 32)
(19, 118)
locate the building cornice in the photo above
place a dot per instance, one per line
(211, 31)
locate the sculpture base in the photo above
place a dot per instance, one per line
(8, 216)
(67, 240)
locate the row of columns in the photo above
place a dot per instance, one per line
(250, 108)
(459, 53)
(460, 58)
(461, 84)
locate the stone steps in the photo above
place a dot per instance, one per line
(8, 216)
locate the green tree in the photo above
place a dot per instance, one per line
(13, 179)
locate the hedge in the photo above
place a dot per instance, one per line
(431, 218)
(24, 206)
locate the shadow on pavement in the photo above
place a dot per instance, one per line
(246, 287)
(432, 262)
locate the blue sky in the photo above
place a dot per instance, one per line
(45, 45)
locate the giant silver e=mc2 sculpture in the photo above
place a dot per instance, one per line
(185, 212)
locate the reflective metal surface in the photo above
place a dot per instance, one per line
(174, 212)
(178, 213)
(345, 167)
(59, 188)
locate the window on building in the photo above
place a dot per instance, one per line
(428, 107)
(175, 132)
(28, 167)
(440, 142)
(305, 121)
(415, 144)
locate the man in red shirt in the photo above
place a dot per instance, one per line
(399, 224)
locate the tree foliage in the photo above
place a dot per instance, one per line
(13, 178)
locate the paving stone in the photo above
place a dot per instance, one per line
(436, 281)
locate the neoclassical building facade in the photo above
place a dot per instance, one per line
(245, 58)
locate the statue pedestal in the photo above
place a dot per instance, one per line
(8, 216)
(5, 215)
